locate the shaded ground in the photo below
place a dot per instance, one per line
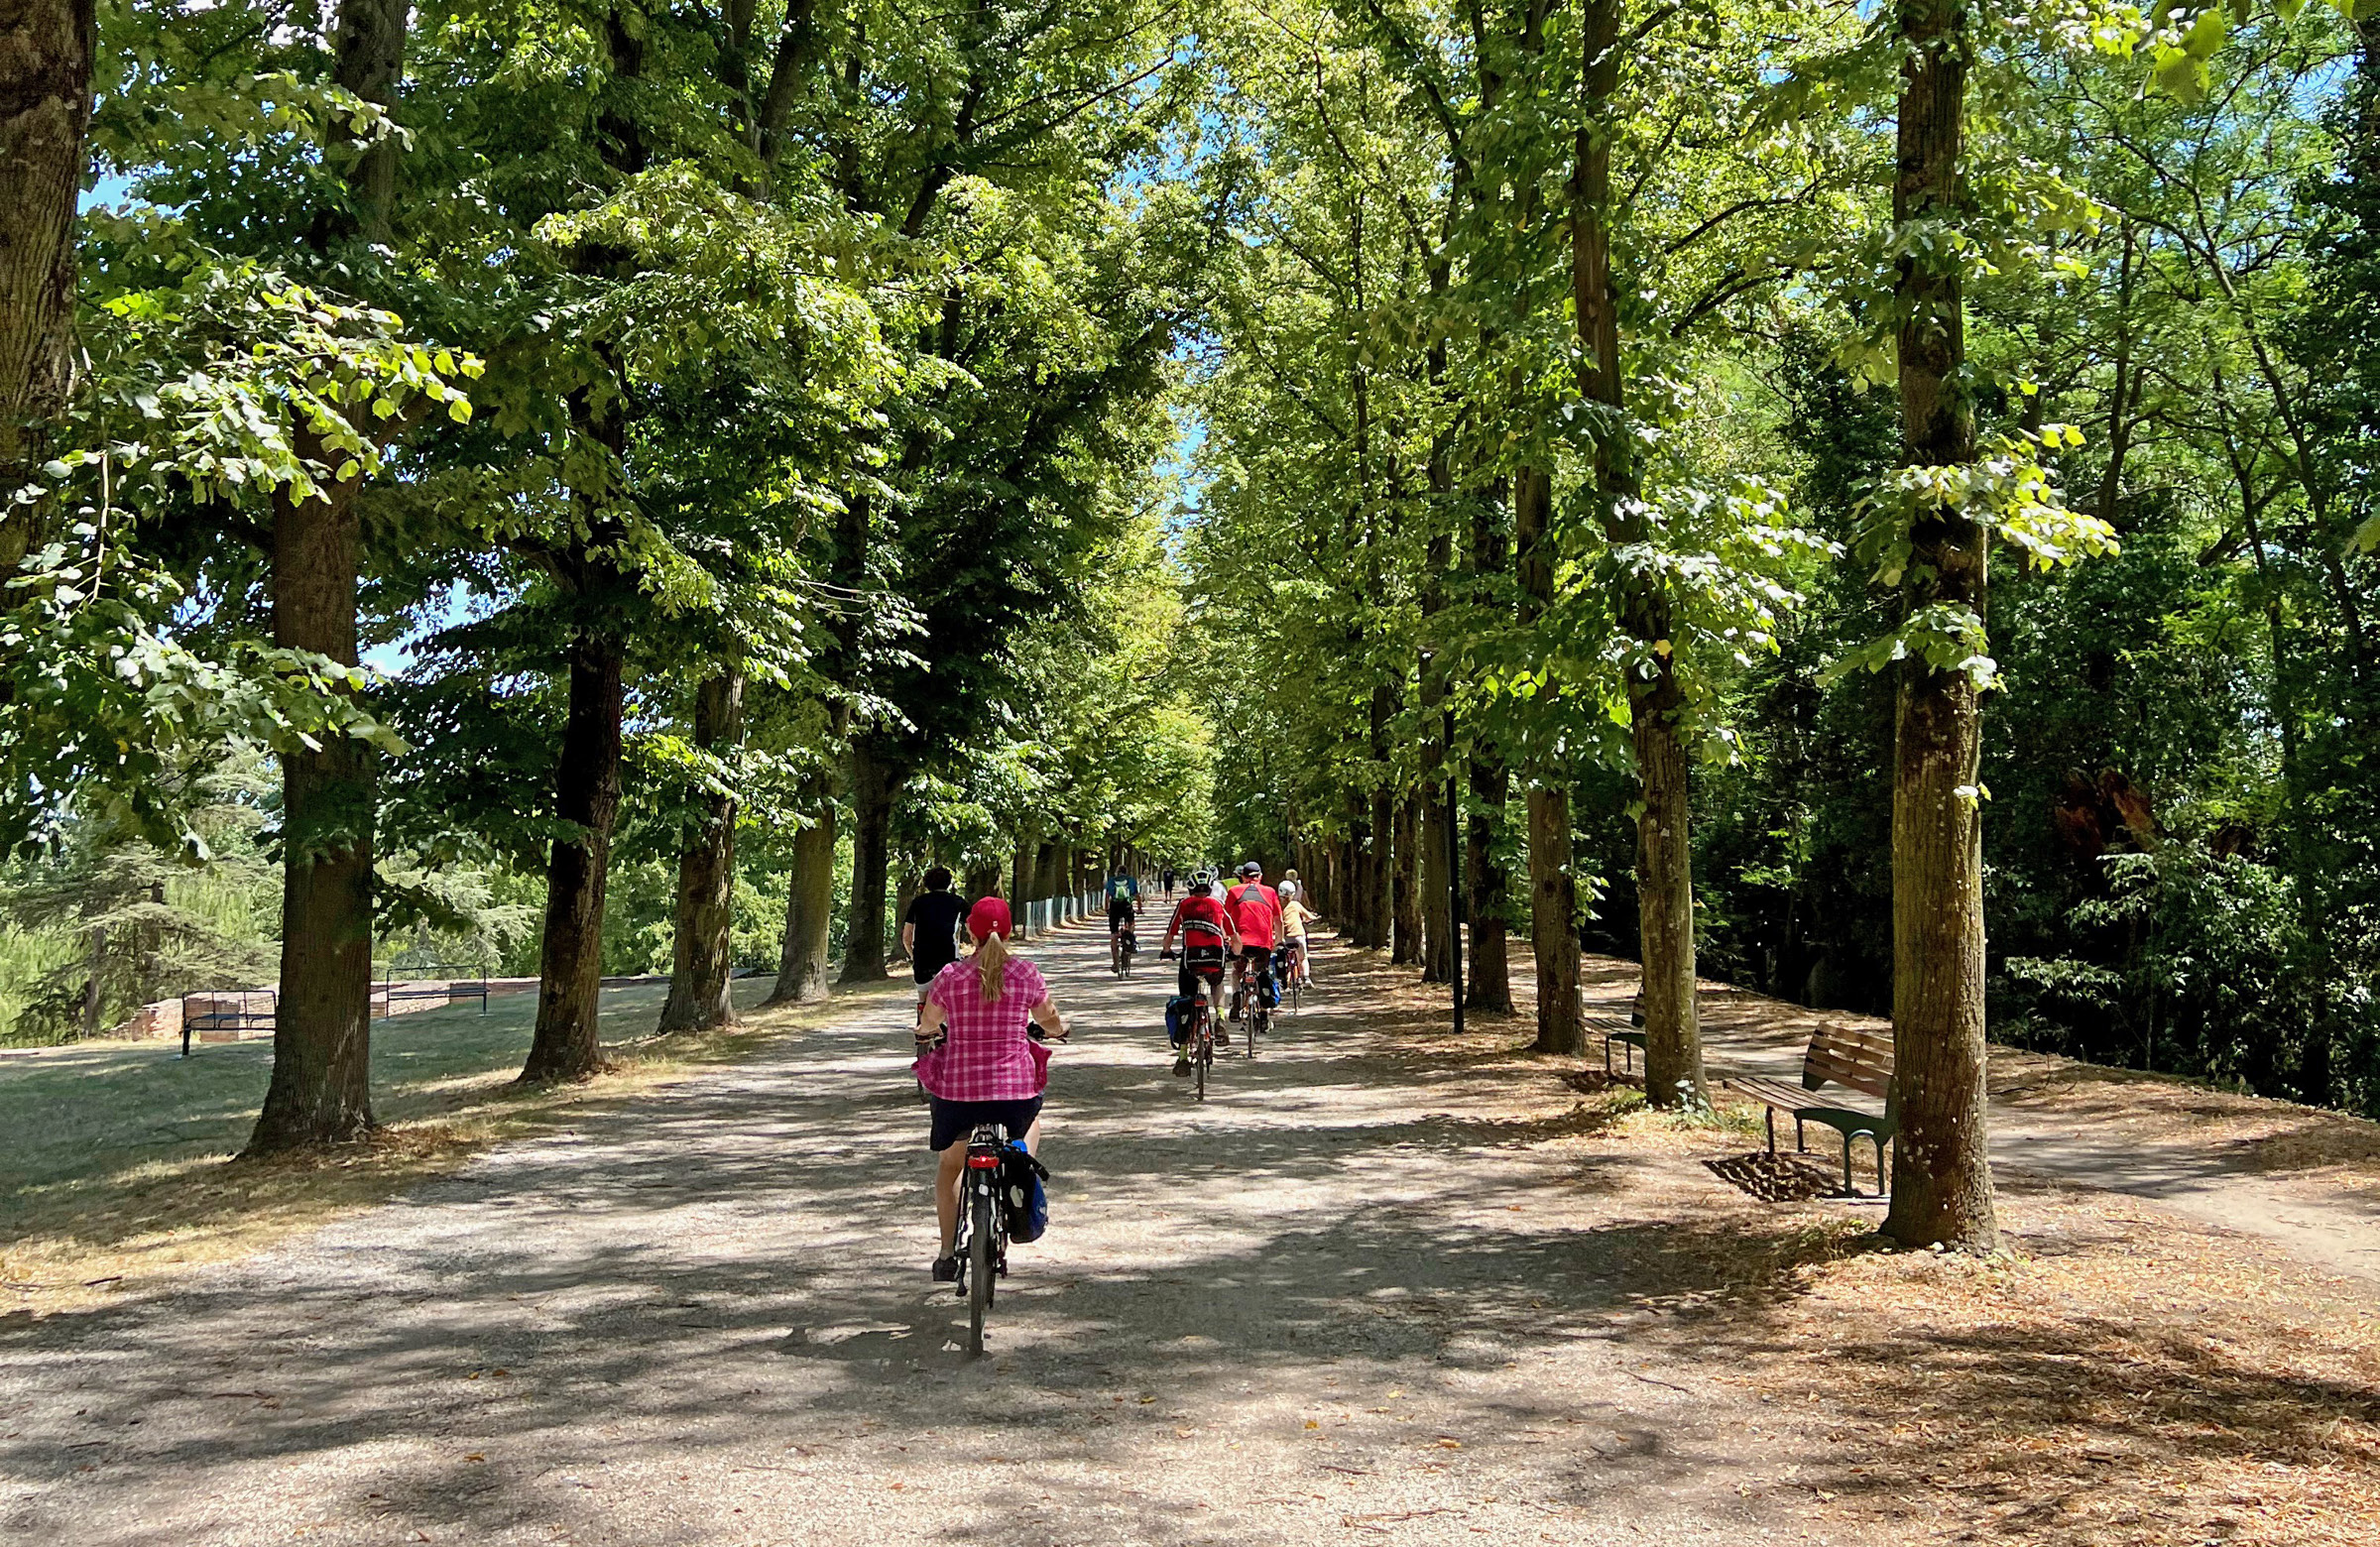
(1385, 1285)
(111, 1153)
(2304, 1177)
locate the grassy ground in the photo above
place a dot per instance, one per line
(116, 1157)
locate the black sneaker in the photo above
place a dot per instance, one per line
(1223, 1038)
(1181, 1066)
(946, 1270)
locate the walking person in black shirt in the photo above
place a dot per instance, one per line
(930, 930)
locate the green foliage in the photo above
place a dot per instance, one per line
(104, 924)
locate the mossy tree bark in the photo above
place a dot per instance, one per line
(703, 961)
(1941, 1164)
(801, 964)
(875, 785)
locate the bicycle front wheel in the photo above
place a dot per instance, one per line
(980, 1260)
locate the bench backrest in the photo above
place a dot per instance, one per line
(1857, 1058)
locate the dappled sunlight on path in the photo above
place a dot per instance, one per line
(1352, 1292)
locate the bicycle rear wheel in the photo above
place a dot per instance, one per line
(981, 1260)
(1205, 1046)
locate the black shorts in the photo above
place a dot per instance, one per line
(1203, 961)
(954, 1121)
(1261, 954)
(1121, 916)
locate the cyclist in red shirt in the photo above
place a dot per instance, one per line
(1207, 932)
(1255, 910)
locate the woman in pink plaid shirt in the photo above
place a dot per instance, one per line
(976, 1060)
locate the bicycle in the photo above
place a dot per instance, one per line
(1289, 969)
(1247, 1005)
(1198, 1033)
(983, 1228)
(1125, 946)
(1201, 1037)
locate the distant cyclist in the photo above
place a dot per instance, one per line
(1207, 934)
(1124, 912)
(1296, 918)
(1255, 910)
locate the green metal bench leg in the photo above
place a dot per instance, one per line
(1846, 1166)
(1773, 1131)
(1801, 1145)
(1883, 1189)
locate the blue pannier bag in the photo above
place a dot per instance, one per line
(1177, 1009)
(1268, 991)
(1021, 1196)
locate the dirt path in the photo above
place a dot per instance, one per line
(2303, 1178)
(1360, 1295)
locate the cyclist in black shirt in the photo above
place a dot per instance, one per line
(930, 930)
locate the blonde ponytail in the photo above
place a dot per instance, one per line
(992, 965)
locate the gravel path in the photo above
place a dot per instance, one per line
(1346, 1300)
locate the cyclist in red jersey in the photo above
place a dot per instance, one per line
(1255, 910)
(1207, 934)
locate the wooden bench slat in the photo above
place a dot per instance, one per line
(1858, 1058)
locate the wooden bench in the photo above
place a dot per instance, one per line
(1858, 1060)
(1613, 1030)
(1628, 1033)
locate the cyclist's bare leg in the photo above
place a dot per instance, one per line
(946, 1193)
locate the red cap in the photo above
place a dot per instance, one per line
(988, 917)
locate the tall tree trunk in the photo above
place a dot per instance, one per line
(320, 1090)
(801, 966)
(1673, 1042)
(1490, 985)
(1359, 852)
(1021, 885)
(1406, 891)
(1553, 891)
(1381, 872)
(982, 881)
(1553, 923)
(703, 962)
(874, 782)
(1435, 882)
(568, 1043)
(370, 44)
(46, 57)
(1941, 1171)
(1673, 1053)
